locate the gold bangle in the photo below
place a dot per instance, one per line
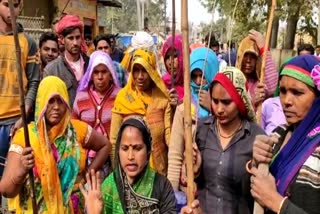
(249, 168)
(281, 204)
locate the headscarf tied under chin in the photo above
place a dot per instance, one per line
(234, 82)
(247, 45)
(70, 21)
(306, 136)
(178, 84)
(210, 69)
(98, 58)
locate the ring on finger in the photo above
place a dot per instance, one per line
(30, 161)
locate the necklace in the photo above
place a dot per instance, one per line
(229, 136)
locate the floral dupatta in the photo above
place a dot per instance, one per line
(58, 156)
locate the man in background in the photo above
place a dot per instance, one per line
(49, 49)
(73, 62)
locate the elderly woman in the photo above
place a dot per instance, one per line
(133, 187)
(96, 94)
(146, 95)
(225, 143)
(293, 184)
(201, 60)
(57, 155)
(103, 43)
(249, 59)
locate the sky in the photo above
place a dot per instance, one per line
(196, 12)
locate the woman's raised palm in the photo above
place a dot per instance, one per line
(93, 195)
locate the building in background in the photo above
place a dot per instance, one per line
(92, 12)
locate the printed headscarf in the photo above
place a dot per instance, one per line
(205, 60)
(98, 58)
(234, 81)
(132, 101)
(71, 21)
(247, 45)
(306, 136)
(178, 84)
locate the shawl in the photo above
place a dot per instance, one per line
(306, 136)
(178, 84)
(132, 101)
(121, 197)
(248, 45)
(234, 81)
(97, 58)
(58, 156)
(210, 68)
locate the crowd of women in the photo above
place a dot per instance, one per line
(121, 149)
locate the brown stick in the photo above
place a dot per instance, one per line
(173, 35)
(264, 168)
(187, 101)
(22, 103)
(266, 48)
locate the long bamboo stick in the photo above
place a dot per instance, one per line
(187, 101)
(173, 37)
(22, 103)
(264, 168)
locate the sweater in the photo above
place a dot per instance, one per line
(9, 86)
(176, 147)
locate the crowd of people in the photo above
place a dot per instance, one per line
(106, 127)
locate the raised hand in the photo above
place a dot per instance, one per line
(258, 38)
(92, 196)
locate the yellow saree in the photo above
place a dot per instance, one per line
(59, 156)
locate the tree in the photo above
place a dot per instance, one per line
(125, 18)
(247, 16)
(249, 13)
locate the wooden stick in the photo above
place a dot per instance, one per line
(22, 103)
(173, 35)
(266, 48)
(187, 101)
(264, 168)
